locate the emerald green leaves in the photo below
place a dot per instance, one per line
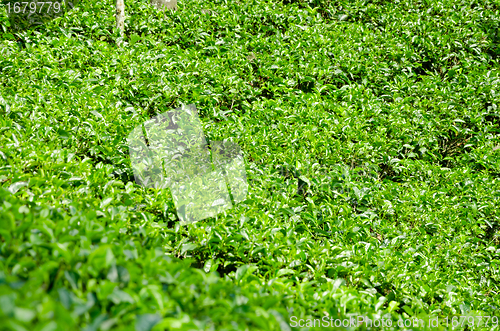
(369, 132)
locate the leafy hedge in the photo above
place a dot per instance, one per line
(385, 113)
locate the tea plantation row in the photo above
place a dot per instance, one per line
(386, 112)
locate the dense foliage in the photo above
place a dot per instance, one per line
(384, 113)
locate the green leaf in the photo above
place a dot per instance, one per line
(118, 296)
(285, 271)
(24, 315)
(102, 257)
(393, 305)
(7, 304)
(17, 186)
(146, 322)
(188, 247)
(244, 271)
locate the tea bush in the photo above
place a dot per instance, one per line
(371, 135)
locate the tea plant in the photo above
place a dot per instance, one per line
(370, 131)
